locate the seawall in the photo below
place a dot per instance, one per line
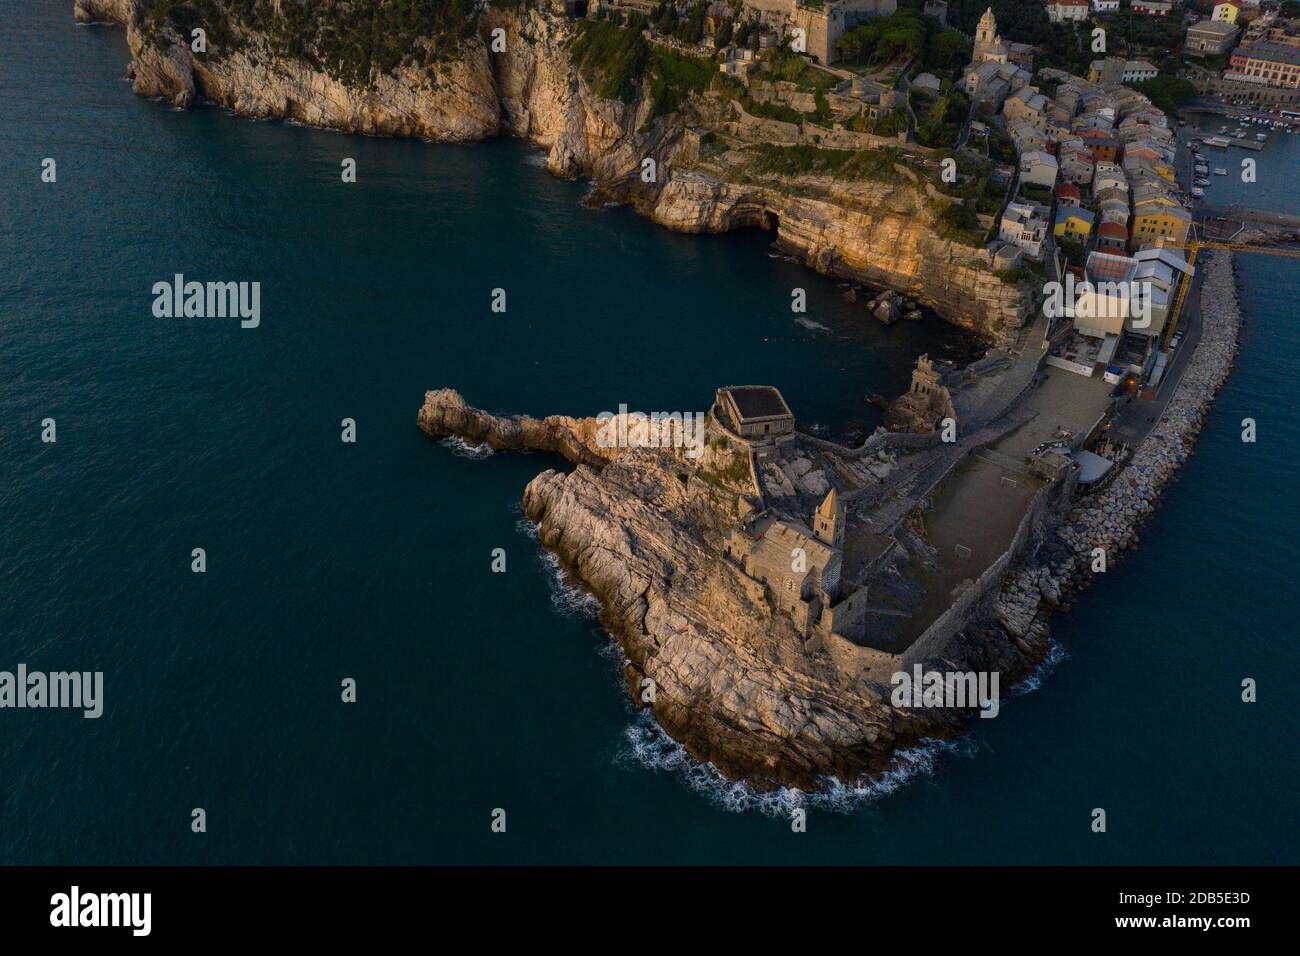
(1110, 518)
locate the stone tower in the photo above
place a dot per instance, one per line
(986, 35)
(828, 524)
(925, 380)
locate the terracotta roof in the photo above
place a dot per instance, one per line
(1112, 230)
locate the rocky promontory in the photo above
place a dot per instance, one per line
(445, 413)
(724, 672)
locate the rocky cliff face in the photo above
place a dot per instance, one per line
(458, 103)
(731, 678)
(878, 234)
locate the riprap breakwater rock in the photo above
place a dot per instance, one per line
(1109, 519)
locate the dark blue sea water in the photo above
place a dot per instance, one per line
(1274, 184)
(371, 560)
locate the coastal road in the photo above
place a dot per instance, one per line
(1135, 416)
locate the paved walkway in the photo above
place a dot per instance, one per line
(990, 416)
(1261, 217)
(903, 86)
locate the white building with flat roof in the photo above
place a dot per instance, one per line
(1064, 11)
(1024, 225)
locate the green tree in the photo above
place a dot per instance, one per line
(1168, 93)
(947, 48)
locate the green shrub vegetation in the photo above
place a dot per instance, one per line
(1001, 147)
(1168, 93)
(619, 63)
(786, 65)
(958, 221)
(1036, 193)
(941, 124)
(1071, 250)
(875, 164)
(185, 15)
(613, 60)
(774, 111)
(673, 78)
(353, 42)
(976, 187)
(890, 123)
(904, 34)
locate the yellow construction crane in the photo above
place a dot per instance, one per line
(1195, 246)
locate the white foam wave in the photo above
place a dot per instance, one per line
(647, 744)
(593, 198)
(571, 601)
(1056, 653)
(810, 324)
(460, 448)
(611, 651)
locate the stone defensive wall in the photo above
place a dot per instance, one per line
(852, 659)
(881, 441)
(755, 476)
(761, 129)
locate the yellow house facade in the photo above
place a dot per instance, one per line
(1073, 223)
(1153, 221)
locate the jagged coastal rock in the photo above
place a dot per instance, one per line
(871, 232)
(102, 11)
(642, 529)
(445, 413)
